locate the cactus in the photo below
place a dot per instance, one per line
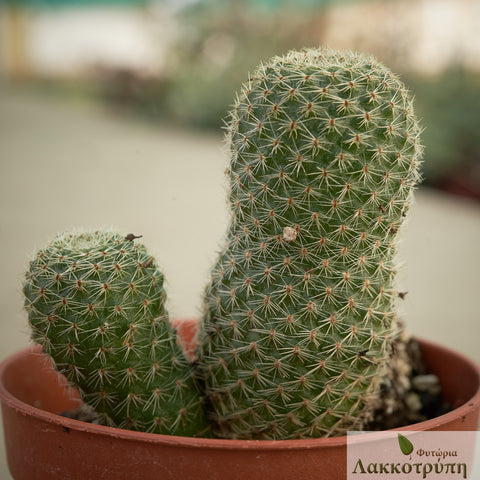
(96, 304)
(299, 313)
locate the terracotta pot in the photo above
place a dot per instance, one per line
(41, 444)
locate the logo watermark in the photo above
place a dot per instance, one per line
(412, 455)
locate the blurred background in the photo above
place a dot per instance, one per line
(111, 115)
(182, 60)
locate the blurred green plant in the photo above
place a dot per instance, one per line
(220, 42)
(449, 106)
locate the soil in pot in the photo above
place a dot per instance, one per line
(410, 393)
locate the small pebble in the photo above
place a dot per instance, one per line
(413, 402)
(426, 383)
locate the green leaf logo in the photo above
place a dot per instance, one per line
(405, 445)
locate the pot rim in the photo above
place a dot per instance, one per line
(216, 443)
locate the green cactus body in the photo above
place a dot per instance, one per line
(300, 308)
(96, 303)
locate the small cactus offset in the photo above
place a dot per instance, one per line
(96, 304)
(300, 308)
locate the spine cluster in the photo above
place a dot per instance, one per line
(299, 313)
(96, 303)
